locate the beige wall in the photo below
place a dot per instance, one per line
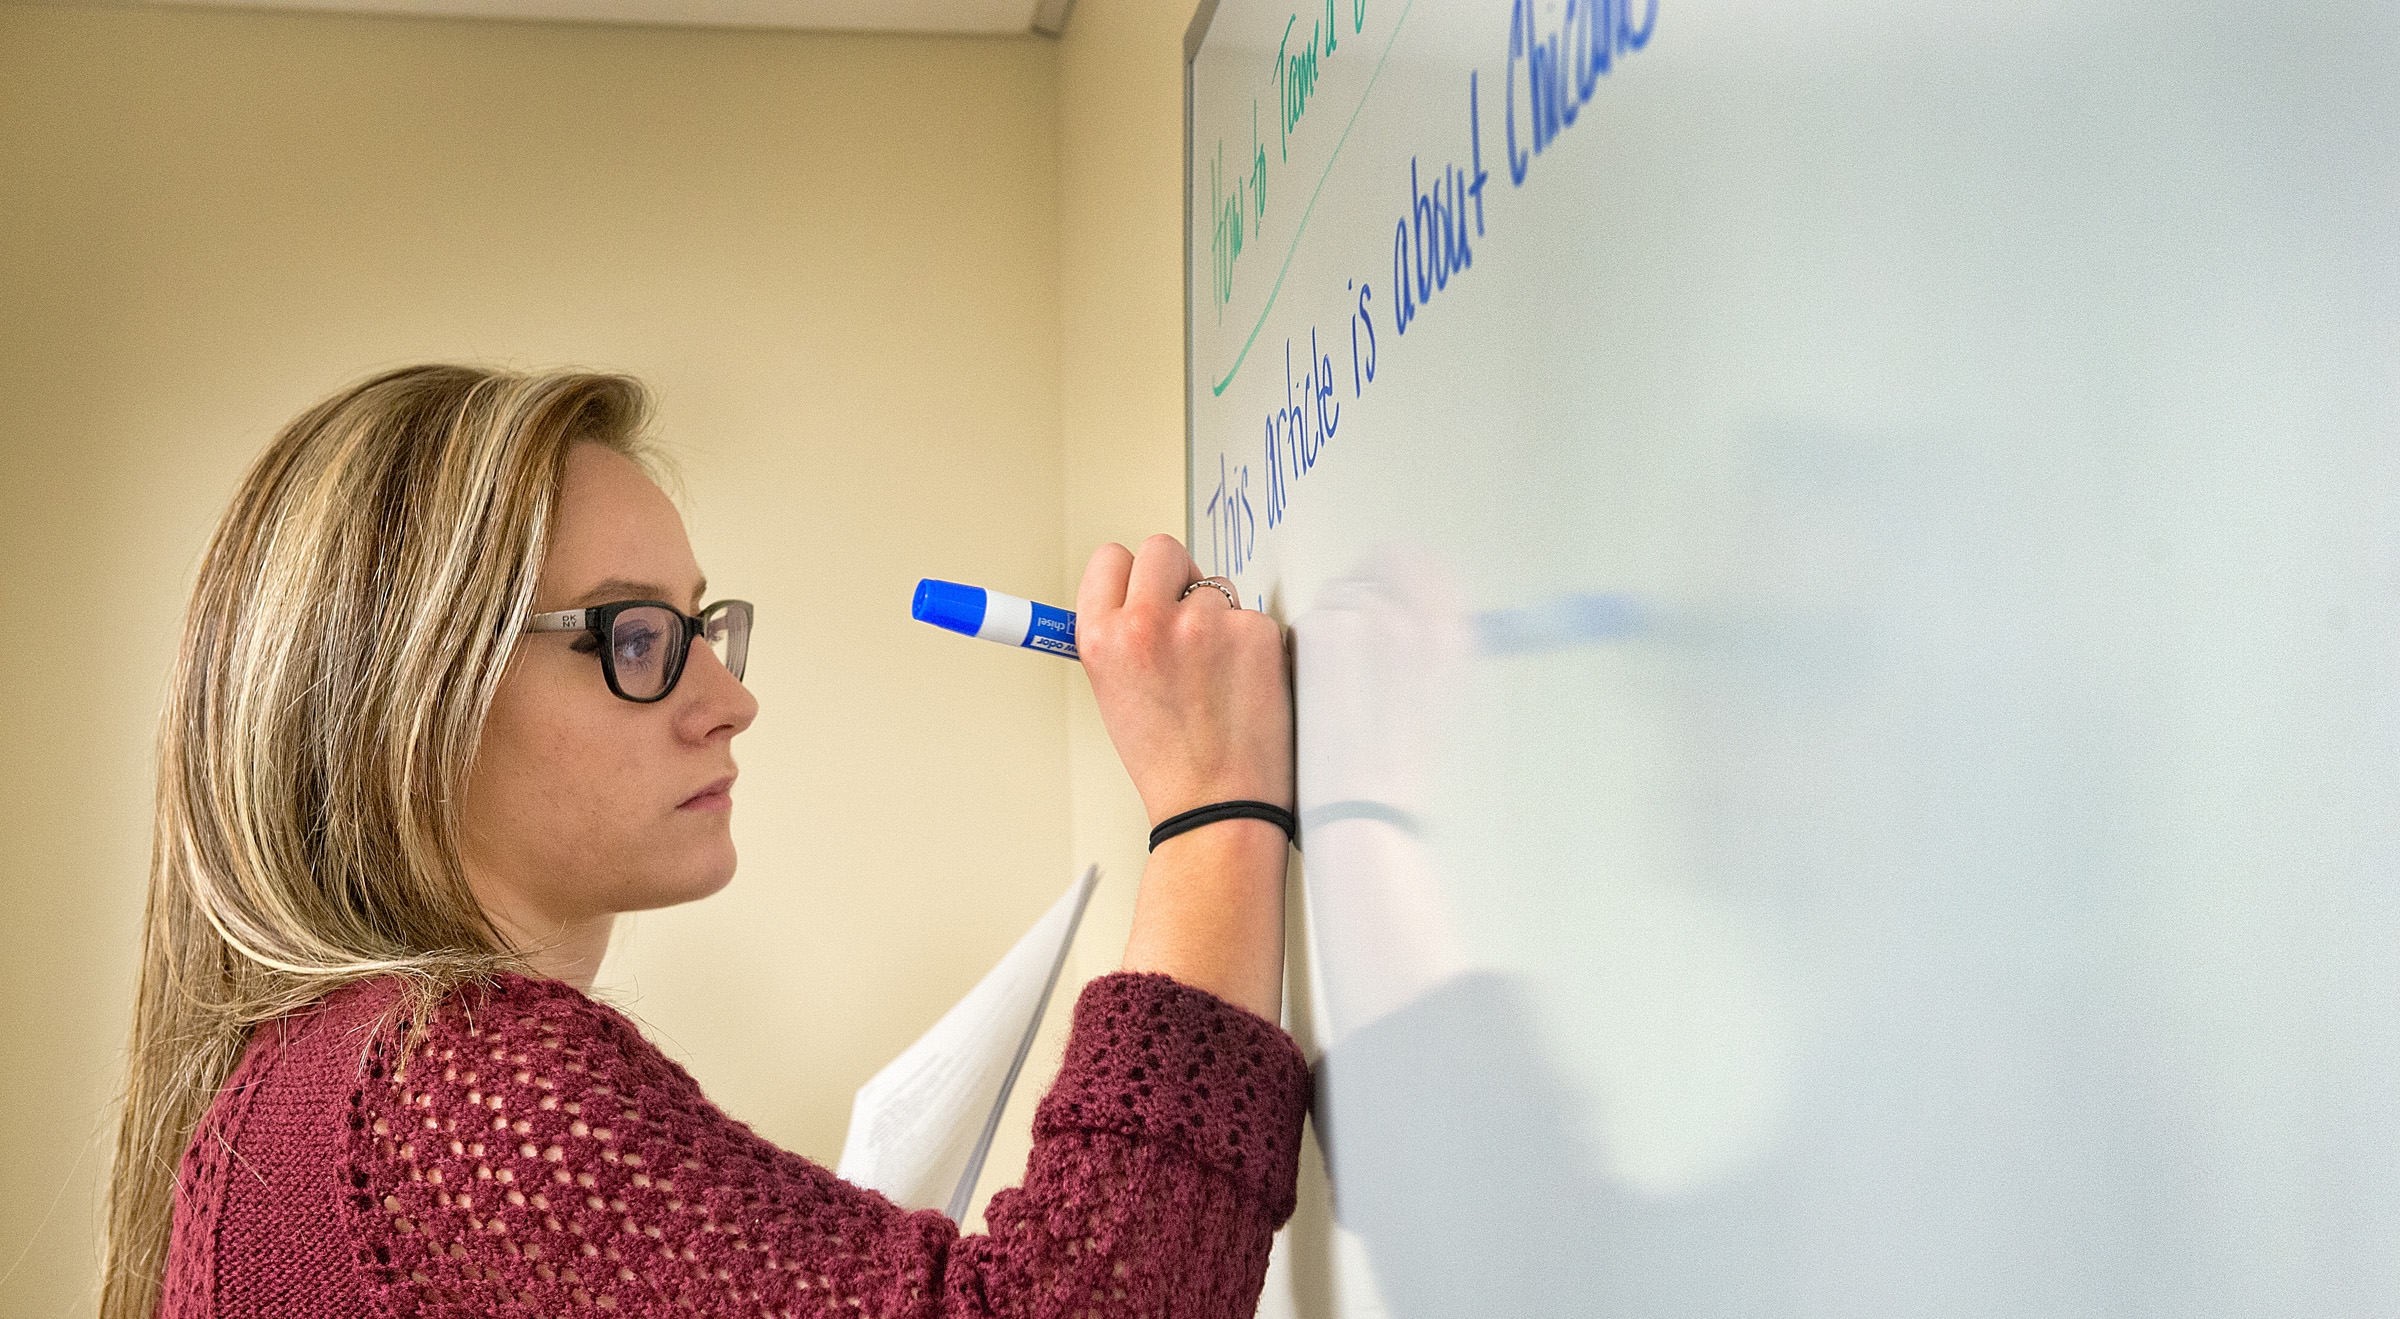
(836, 259)
(1120, 357)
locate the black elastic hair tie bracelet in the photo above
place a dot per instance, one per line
(1225, 810)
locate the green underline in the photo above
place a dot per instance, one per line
(1311, 208)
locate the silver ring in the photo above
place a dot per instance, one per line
(1219, 583)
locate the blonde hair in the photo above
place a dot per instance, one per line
(352, 619)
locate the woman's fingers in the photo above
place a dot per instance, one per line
(1160, 571)
(1104, 579)
(1196, 696)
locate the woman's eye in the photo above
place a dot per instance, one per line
(634, 644)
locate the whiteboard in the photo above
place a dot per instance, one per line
(1844, 572)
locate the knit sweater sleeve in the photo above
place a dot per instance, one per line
(528, 1153)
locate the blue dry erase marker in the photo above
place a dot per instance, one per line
(1011, 621)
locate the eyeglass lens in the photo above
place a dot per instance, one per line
(727, 630)
(642, 646)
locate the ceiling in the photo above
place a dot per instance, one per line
(985, 17)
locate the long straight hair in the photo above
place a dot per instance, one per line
(353, 616)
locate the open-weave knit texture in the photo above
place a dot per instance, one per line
(530, 1154)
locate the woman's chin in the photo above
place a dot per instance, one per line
(706, 874)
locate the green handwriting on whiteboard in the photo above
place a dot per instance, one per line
(1232, 217)
(1311, 208)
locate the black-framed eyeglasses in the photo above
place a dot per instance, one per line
(644, 643)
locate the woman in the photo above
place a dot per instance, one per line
(438, 716)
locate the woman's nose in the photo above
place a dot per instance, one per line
(718, 700)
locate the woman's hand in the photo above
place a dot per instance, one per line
(1195, 694)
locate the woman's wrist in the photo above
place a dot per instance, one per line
(1242, 808)
(1210, 913)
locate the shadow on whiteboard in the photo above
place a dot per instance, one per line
(1479, 1120)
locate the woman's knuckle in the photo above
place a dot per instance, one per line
(1138, 629)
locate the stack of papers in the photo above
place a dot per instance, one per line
(920, 1129)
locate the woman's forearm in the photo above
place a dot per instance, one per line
(1210, 914)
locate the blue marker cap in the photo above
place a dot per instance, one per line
(995, 616)
(949, 605)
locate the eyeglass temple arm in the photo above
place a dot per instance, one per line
(563, 620)
(580, 620)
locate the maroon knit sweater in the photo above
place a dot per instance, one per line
(531, 1154)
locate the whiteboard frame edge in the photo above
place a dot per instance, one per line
(1203, 16)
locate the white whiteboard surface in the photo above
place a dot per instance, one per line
(1850, 742)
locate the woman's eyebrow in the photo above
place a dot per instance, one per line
(617, 588)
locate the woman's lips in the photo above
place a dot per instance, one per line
(716, 796)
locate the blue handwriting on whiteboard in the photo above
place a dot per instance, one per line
(1562, 70)
(1232, 523)
(1431, 242)
(1297, 431)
